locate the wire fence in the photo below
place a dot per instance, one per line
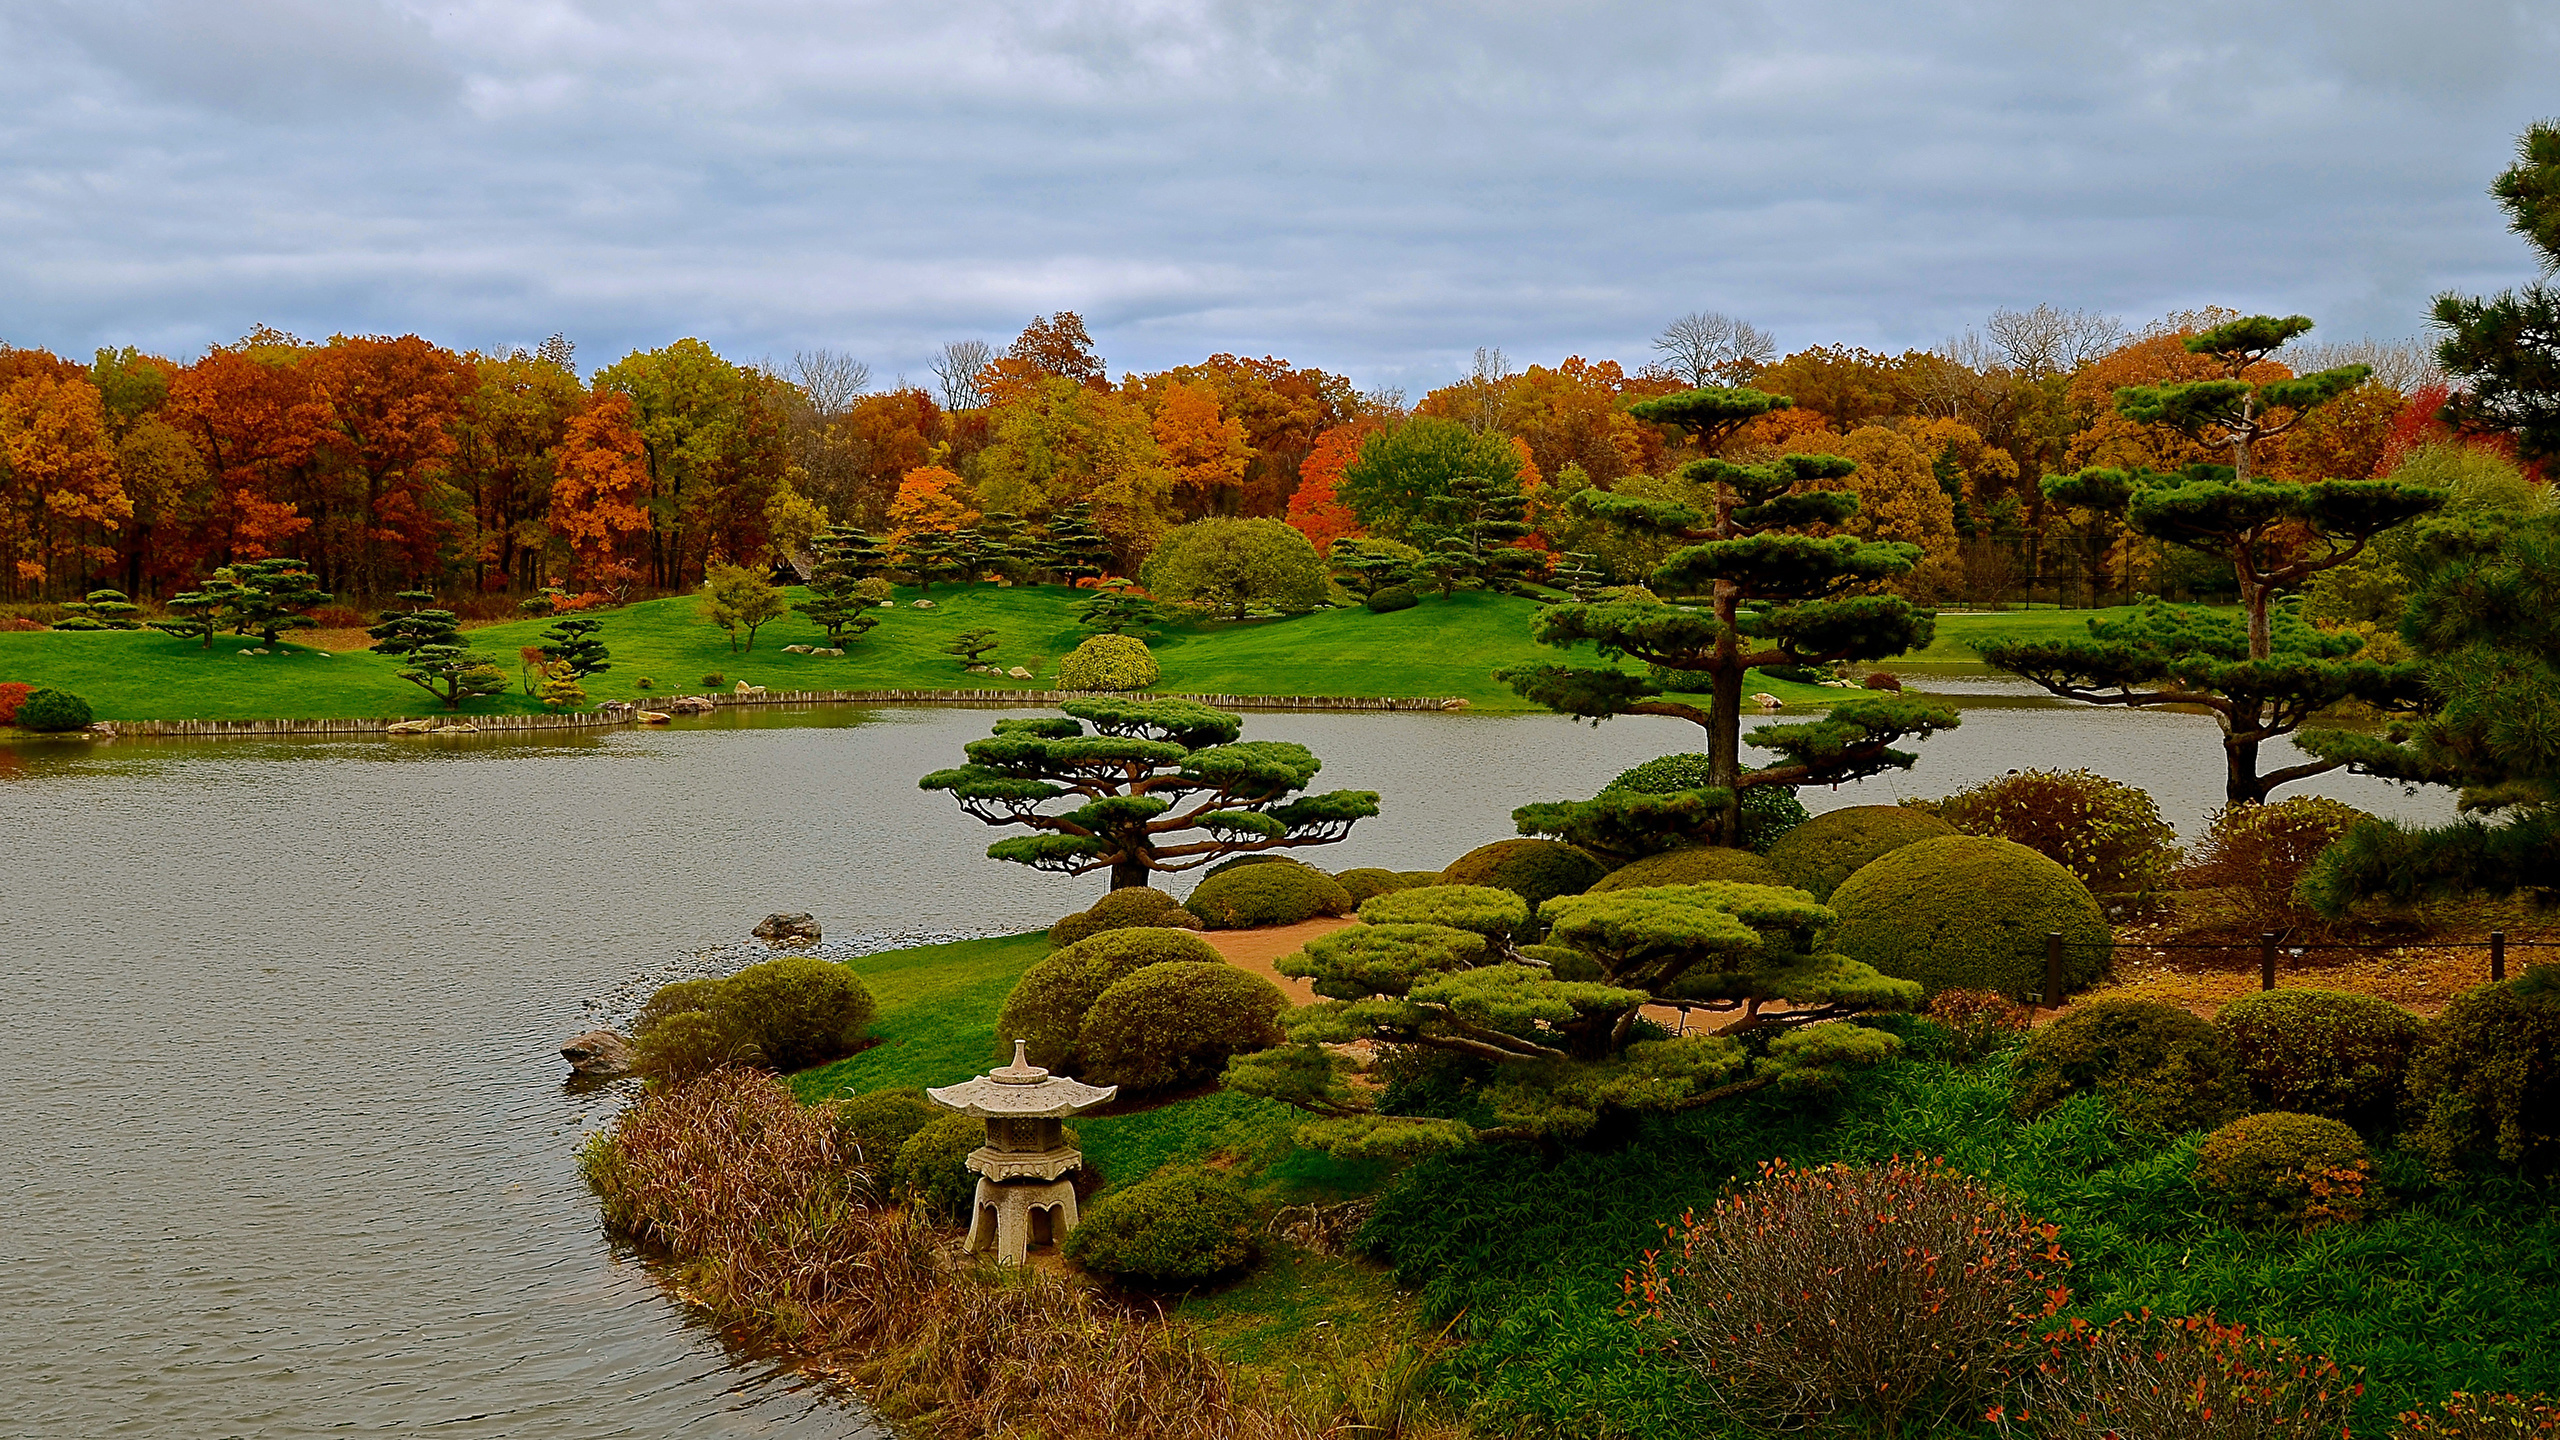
(2272, 949)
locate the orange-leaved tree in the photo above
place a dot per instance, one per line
(600, 489)
(60, 496)
(1315, 509)
(1203, 447)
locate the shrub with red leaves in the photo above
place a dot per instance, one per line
(1901, 1292)
(11, 693)
(1980, 1021)
(2465, 1416)
(2193, 1378)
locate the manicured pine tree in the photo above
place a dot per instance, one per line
(1118, 611)
(572, 645)
(1774, 596)
(1366, 566)
(2264, 673)
(560, 687)
(1078, 550)
(196, 614)
(931, 555)
(1000, 545)
(402, 632)
(1576, 573)
(1473, 529)
(972, 647)
(102, 610)
(845, 558)
(269, 596)
(453, 673)
(2504, 350)
(1157, 787)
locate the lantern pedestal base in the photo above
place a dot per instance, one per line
(1010, 1216)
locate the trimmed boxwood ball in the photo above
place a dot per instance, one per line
(2486, 1080)
(1829, 848)
(2263, 1167)
(1129, 907)
(1175, 1025)
(1109, 662)
(799, 1010)
(1692, 866)
(2161, 1068)
(878, 1123)
(1767, 811)
(1535, 870)
(2321, 1052)
(1391, 597)
(1967, 912)
(1267, 895)
(1048, 1004)
(932, 1169)
(1237, 862)
(53, 711)
(1368, 881)
(1179, 1227)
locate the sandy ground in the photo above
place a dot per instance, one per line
(1257, 950)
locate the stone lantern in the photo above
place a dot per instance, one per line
(1024, 1196)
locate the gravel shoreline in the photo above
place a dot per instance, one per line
(615, 1009)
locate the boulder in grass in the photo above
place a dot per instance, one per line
(795, 649)
(788, 932)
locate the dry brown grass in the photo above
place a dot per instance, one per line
(766, 1220)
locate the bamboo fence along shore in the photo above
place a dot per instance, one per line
(590, 720)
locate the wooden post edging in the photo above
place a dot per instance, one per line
(2053, 969)
(593, 720)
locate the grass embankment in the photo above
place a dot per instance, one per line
(1442, 647)
(1522, 1253)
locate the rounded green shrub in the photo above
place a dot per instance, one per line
(1829, 848)
(1967, 912)
(1179, 1227)
(1267, 895)
(2161, 1068)
(1109, 662)
(1486, 910)
(2108, 833)
(1174, 1025)
(1047, 1007)
(1127, 908)
(1391, 597)
(880, 1122)
(2283, 1168)
(1367, 881)
(798, 1010)
(1237, 862)
(2486, 1079)
(2321, 1052)
(932, 1169)
(53, 711)
(1767, 811)
(1535, 870)
(1694, 865)
(675, 999)
(685, 1044)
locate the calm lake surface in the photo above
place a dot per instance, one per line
(289, 1152)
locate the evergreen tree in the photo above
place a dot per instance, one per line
(403, 632)
(1001, 546)
(1577, 574)
(1158, 786)
(1774, 596)
(572, 645)
(931, 555)
(195, 614)
(560, 687)
(266, 597)
(2484, 620)
(1366, 566)
(102, 610)
(2266, 673)
(2505, 349)
(1078, 551)
(972, 647)
(1473, 528)
(1118, 611)
(453, 673)
(845, 558)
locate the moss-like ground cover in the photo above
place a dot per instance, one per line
(1442, 647)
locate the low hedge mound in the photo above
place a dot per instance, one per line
(1391, 597)
(1254, 895)
(1177, 1228)
(1175, 1025)
(2321, 1052)
(1829, 848)
(1109, 662)
(1693, 866)
(932, 1169)
(1967, 912)
(881, 1122)
(53, 711)
(1368, 881)
(2282, 1168)
(785, 1014)
(1535, 870)
(1130, 907)
(2161, 1068)
(1047, 1006)
(2486, 1082)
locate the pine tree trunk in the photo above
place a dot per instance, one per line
(1724, 713)
(2255, 598)
(1132, 871)
(2240, 783)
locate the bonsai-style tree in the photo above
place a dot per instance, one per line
(736, 599)
(1577, 574)
(930, 555)
(267, 597)
(196, 614)
(1366, 566)
(1472, 530)
(1556, 1022)
(838, 600)
(1076, 550)
(1775, 596)
(403, 631)
(102, 610)
(1157, 786)
(2265, 673)
(2504, 350)
(453, 674)
(572, 644)
(1235, 567)
(2484, 620)
(1117, 611)
(972, 646)
(560, 687)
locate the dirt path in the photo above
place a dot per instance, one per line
(1257, 950)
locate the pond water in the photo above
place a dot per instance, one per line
(289, 1153)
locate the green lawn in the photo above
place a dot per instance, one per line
(1440, 648)
(1957, 630)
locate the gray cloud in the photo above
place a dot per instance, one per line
(1377, 189)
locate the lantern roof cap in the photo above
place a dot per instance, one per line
(1020, 1090)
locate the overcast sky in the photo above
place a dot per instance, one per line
(1377, 188)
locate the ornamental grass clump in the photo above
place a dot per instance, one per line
(2296, 1171)
(2147, 1377)
(1897, 1294)
(2108, 833)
